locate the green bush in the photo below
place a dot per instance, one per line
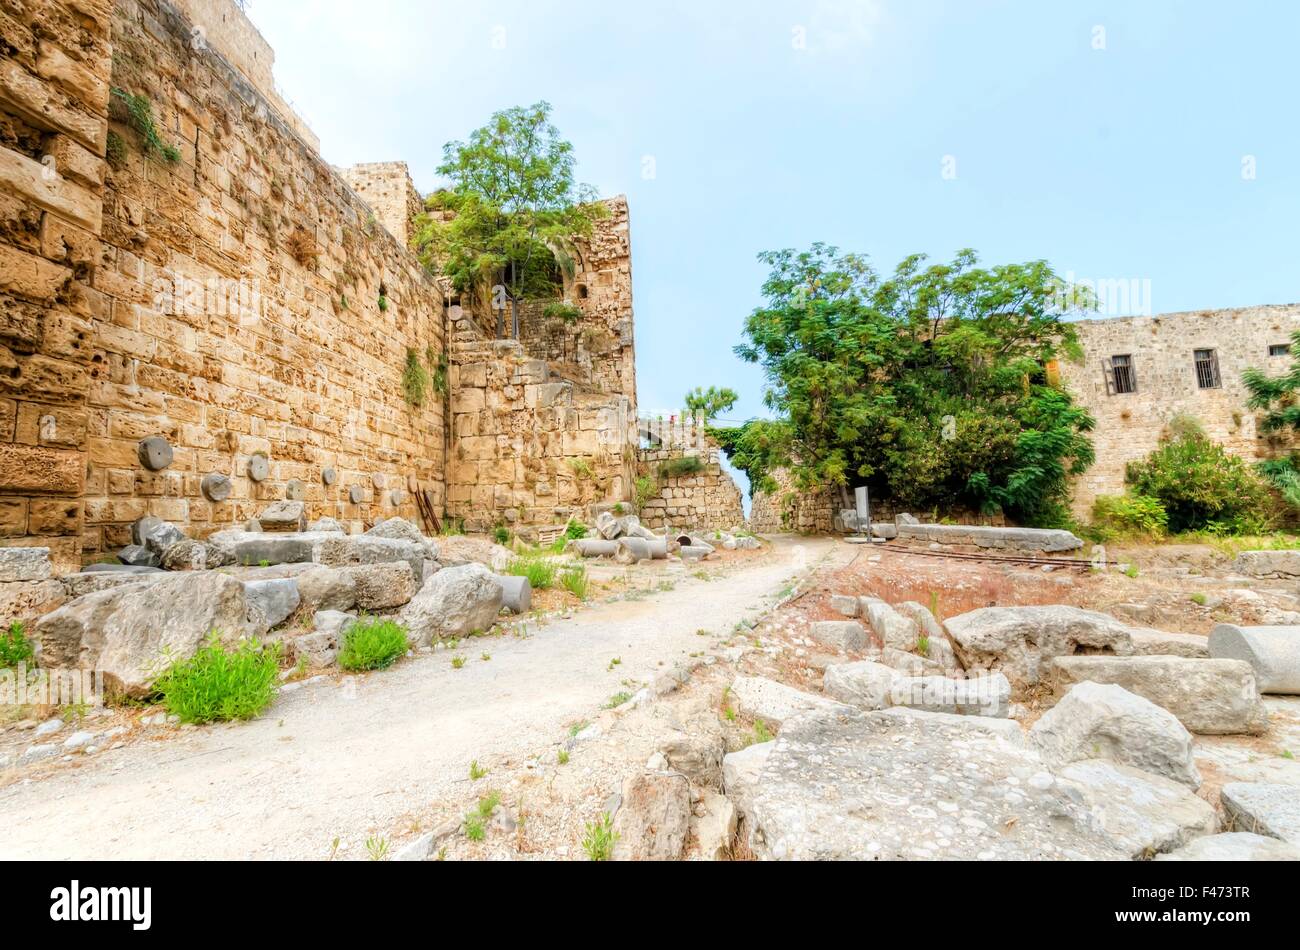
(219, 684)
(1134, 515)
(373, 643)
(681, 468)
(575, 530)
(540, 572)
(14, 646)
(501, 534)
(1200, 486)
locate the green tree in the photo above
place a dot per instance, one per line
(705, 405)
(930, 385)
(1200, 485)
(1275, 396)
(509, 219)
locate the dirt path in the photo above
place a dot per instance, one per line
(349, 759)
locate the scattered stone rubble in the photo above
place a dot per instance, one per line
(625, 539)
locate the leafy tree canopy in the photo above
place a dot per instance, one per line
(509, 219)
(706, 405)
(929, 385)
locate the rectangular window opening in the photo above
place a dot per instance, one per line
(1207, 369)
(1121, 368)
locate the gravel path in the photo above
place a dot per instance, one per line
(350, 758)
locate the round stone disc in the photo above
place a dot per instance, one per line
(155, 453)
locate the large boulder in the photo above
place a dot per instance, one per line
(453, 603)
(270, 602)
(1279, 564)
(654, 819)
(1105, 721)
(285, 516)
(1139, 813)
(1022, 641)
(23, 601)
(873, 686)
(774, 702)
(249, 548)
(381, 586)
(130, 632)
(399, 529)
(847, 636)
(1234, 846)
(891, 628)
(461, 549)
(906, 785)
(1262, 808)
(741, 771)
(328, 588)
(1273, 652)
(24, 564)
(343, 551)
(1211, 697)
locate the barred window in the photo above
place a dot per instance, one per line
(1121, 368)
(1207, 369)
(1279, 349)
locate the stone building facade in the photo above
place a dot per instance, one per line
(193, 278)
(1139, 373)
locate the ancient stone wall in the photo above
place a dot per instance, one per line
(1166, 384)
(598, 349)
(236, 312)
(388, 189)
(54, 94)
(529, 448)
(222, 25)
(707, 500)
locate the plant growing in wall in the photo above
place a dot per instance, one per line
(438, 370)
(568, 314)
(138, 111)
(509, 219)
(415, 380)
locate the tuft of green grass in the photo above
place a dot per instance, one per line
(1287, 754)
(618, 699)
(617, 661)
(577, 727)
(1199, 599)
(476, 772)
(574, 580)
(562, 757)
(220, 684)
(377, 848)
(923, 646)
(373, 643)
(415, 379)
(761, 732)
(600, 838)
(457, 662)
(139, 112)
(540, 572)
(15, 648)
(1131, 571)
(485, 657)
(476, 819)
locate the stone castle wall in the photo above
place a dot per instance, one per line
(388, 189)
(708, 500)
(54, 95)
(1130, 425)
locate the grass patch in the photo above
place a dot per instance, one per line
(575, 581)
(476, 820)
(562, 757)
(541, 573)
(681, 468)
(476, 772)
(761, 733)
(618, 699)
(218, 684)
(15, 648)
(457, 662)
(600, 838)
(373, 644)
(1199, 599)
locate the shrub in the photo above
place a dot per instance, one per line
(139, 115)
(646, 488)
(540, 572)
(1130, 515)
(373, 643)
(221, 684)
(501, 534)
(415, 379)
(575, 530)
(1200, 485)
(14, 646)
(681, 468)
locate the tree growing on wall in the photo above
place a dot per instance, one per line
(929, 385)
(705, 405)
(508, 221)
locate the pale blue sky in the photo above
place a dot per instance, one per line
(1122, 162)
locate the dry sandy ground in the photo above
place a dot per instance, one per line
(343, 759)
